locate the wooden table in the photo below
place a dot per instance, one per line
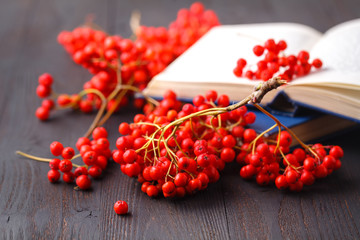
(31, 207)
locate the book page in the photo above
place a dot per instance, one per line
(339, 49)
(214, 56)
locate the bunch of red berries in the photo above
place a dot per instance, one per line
(94, 153)
(164, 45)
(44, 90)
(121, 66)
(178, 150)
(276, 63)
(275, 163)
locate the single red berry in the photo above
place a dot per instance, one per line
(181, 180)
(130, 156)
(194, 185)
(282, 45)
(336, 152)
(303, 56)
(152, 191)
(95, 171)
(65, 165)
(292, 176)
(241, 63)
(54, 163)
(43, 91)
(68, 177)
(121, 207)
(80, 171)
(321, 171)
(309, 164)
(262, 179)
(258, 50)
(99, 132)
(307, 178)
(124, 128)
(68, 153)
(168, 187)
(89, 157)
(42, 113)
(249, 135)
(56, 148)
(317, 63)
(83, 181)
(46, 79)
(329, 162)
(227, 154)
(211, 95)
(53, 175)
(82, 141)
(48, 103)
(281, 182)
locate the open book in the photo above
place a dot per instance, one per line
(209, 64)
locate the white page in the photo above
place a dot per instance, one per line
(214, 56)
(339, 49)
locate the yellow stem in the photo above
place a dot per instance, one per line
(100, 112)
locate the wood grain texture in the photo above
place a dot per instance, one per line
(32, 208)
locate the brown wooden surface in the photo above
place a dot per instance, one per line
(31, 207)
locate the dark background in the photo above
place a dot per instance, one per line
(31, 207)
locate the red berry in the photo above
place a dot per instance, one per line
(68, 177)
(53, 175)
(336, 152)
(181, 180)
(84, 182)
(121, 207)
(317, 63)
(56, 148)
(46, 79)
(258, 50)
(68, 153)
(282, 45)
(303, 56)
(43, 91)
(65, 165)
(89, 157)
(292, 176)
(152, 191)
(54, 164)
(42, 113)
(168, 187)
(211, 95)
(99, 132)
(307, 178)
(281, 182)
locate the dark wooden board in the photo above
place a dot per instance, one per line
(31, 207)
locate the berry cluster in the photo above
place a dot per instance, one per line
(276, 63)
(44, 90)
(94, 153)
(164, 45)
(121, 66)
(275, 163)
(178, 150)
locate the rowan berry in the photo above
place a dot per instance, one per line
(121, 207)
(83, 182)
(68, 177)
(53, 175)
(68, 153)
(42, 113)
(258, 50)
